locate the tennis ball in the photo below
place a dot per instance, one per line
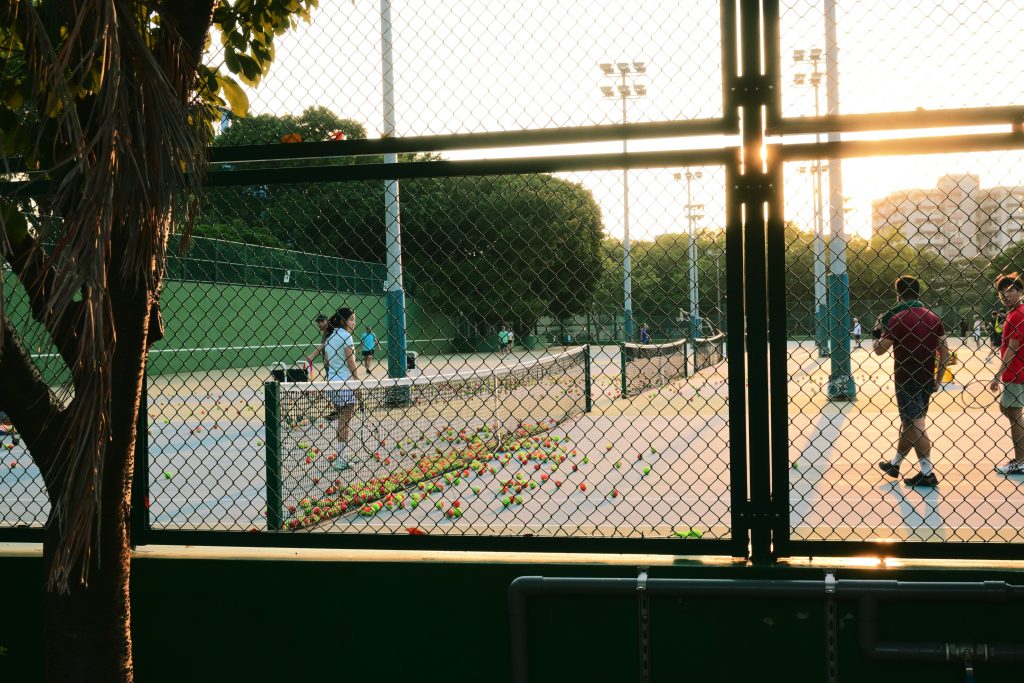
(168, 474)
(615, 493)
(653, 449)
(647, 470)
(586, 460)
(607, 446)
(519, 500)
(618, 464)
(506, 501)
(583, 487)
(440, 505)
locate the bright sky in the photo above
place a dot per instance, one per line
(486, 65)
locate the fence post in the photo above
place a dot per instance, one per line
(272, 410)
(588, 401)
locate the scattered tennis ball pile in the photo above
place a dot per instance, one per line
(466, 455)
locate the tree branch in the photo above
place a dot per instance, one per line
(26, 398)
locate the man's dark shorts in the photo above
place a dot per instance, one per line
(367, 354)
(912, 399)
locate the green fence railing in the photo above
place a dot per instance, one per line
(224, 262)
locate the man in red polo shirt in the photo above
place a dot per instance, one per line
(916, 336)
(1011, 370)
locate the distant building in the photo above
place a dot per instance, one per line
(958, 219)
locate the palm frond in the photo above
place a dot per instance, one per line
(123, 158)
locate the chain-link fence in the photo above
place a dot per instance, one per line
(604, 338)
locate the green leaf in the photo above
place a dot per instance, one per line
(250, 71)
(236, 98)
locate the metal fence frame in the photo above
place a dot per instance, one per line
(754, 263)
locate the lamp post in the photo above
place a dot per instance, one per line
(821, 339)
(624, 75)
(694, 213)
(394, 290)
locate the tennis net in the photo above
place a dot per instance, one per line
(404, 431)
(652, 366)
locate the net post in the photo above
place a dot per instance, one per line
(588, 401)
(686, 357)
(622, 366)
(272, 415)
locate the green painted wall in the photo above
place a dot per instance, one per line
(217, 326)
(432, 621)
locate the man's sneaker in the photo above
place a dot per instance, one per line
(922, 479)
(340, 464)
(890, 469)
(1012, 467)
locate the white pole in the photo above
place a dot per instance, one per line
(841, 385)
(394, 290)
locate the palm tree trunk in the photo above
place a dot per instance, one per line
(87, 633)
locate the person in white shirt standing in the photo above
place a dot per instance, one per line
(342, 367)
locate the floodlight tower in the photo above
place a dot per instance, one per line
(821, 338)
(625, 75)
(694, 213)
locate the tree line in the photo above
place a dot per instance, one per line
(484, 249)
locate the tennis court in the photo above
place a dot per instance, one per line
(655, 463)
(202, 449)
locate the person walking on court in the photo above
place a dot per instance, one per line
(369, 344)
(916, 336)
(342, 367)
(504, 339)
(996, 336)
(976, 331)
(856, 331)
(645, 334)
(1010, 374)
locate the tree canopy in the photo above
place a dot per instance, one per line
(482, 249)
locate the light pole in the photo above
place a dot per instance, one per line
(624, 74)
(394, 290)
(821, 339)
(694, 213)
(841, 386)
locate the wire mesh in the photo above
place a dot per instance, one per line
(446, 57)
(488, 275)
(953, 55)
(888, 439)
